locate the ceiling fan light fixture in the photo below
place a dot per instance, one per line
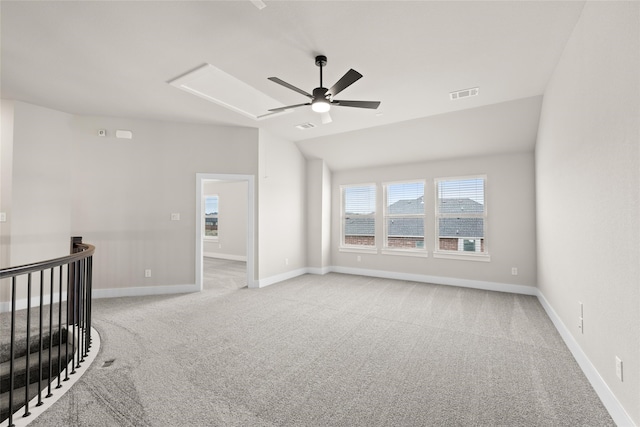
(320, 105)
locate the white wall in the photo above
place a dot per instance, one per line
(232, 219)
(41, 193)
(281, 210)
(318, 215)
(130, 188)
(6, 179)
(510, 222)
(117, 194)
(588, 184)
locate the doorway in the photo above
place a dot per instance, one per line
(220, 243)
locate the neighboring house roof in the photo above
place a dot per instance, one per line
(410, 206)
(448, 227)
(355, 226)
(461, 227)
(461, 205)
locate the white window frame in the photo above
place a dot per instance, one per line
(358, 248)
(461, 255)
(204, 213)
(390, 250)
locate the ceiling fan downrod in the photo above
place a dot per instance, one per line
(321, 61)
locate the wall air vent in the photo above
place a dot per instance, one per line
(304, 126)
(464, 93)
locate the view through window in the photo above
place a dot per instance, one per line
(461, 215)
(211, 216)
(404, 215)
(359, 215)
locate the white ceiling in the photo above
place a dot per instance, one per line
(115, 59)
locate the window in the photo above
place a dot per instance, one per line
(211, 216)
(461, 216)
(358, 215)
(404, 215)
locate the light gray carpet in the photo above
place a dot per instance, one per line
(332, 350)
(223, 275)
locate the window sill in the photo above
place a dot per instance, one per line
(211, 239)
(358, 250)
(406, 252)
(462, 256)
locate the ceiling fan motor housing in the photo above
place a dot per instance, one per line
(321, 60)
(320, 92)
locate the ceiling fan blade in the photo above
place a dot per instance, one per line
(359, 104)
(347, 80)
(290, 86)
(289, 106)
(326, 118)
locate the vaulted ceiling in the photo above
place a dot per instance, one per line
(116, 58)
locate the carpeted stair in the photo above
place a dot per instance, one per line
(59, 340)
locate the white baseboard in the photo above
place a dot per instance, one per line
(261, 283)
(225, 256)
(319, 271)
(609, 400)
(144, 290)
(439, 280)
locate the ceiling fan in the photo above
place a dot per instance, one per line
(322, 98)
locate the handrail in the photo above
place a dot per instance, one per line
(87, 251)
(72, 330)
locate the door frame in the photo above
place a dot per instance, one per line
(250, 179)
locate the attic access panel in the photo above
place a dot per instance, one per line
(214, 85)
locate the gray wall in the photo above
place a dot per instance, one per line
(6, 178)
(588, 201)
(281, 208)
(36, 194)
(511, 219)
(118, 194)
(318, 215)
(132, 187)
(232, 219)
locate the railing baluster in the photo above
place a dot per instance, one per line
(26, 390)
(89, 294)
(50, 334)
(66, 344)
(60, 328)
(40, 339)
(75, 316)
(81, 316)
(12, 347)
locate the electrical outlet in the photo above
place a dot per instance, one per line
(359, 258)
(618, 368)
(286, 261)
(175, 217)
(3, 217)
(581, 318)
(514, 271)
(147, 273)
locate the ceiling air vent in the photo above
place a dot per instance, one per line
(464, 93)
(304, 126)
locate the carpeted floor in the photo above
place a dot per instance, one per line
(332, 350)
